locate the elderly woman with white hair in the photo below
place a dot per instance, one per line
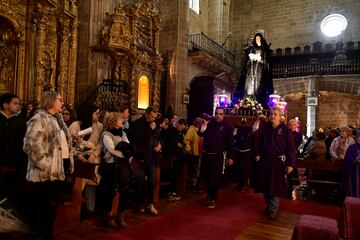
(340, 144)
(47, 143)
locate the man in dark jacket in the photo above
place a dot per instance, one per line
(218, 152)
(12, 131)
(173, 151)
(145, 137)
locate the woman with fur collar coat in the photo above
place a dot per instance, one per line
(44, 143)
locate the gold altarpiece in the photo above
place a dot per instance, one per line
(131, 37)
(38, 47)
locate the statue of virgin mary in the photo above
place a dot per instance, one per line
(256, 77)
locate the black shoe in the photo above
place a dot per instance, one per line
(272, 215)
(212, 204)
(174, 197)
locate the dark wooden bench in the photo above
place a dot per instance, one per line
(321, 175)
(69, 213)
(324, 166)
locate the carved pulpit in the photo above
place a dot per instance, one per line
(131, 37)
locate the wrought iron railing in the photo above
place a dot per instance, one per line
(319, 64)
(110, 94)
(296, 70)
(201, 42)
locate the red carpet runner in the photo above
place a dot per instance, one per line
(234, 212)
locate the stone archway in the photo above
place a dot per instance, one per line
(201, 96)
(9, 44)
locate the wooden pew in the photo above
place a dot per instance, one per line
(165, 166)
(68, 213)
(326, 166)
(321, 174)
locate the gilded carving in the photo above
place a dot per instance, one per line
(8, 49)
(45, 52)
(43, 70)
(72, 58)
(131, 36)
(17, 18)
(62, 78)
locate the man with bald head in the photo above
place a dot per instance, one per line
(217, 153)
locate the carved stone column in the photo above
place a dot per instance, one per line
(72, 62)
(62, 80)
(157, 78)
(157, 28)
(41, 20)
(52, 46)
(313, 92)
(133, 88)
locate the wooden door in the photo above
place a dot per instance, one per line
(201, 97)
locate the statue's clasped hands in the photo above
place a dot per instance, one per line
(255, 57)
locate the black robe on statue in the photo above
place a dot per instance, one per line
(256, 76)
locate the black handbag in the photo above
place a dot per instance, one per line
(84, 169)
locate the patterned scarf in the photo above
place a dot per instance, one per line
(340, 150)
(63, 127)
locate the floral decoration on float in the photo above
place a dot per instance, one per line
(247, 106)
(248, 103)
(250, 106)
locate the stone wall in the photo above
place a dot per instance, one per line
(93, 66)
(291, 23)
(338, 99)
(296, 108)
(199, 22)
(213, 20)
(174, 40)
(334, 109)
(338, 109)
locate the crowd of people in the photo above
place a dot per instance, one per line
(40, 145)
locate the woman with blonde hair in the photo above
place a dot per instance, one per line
(340, 144)
(115, 169)
(47, 143)
(89, 149)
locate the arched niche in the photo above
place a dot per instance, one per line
(143, 92)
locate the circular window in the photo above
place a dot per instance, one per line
(333, 24)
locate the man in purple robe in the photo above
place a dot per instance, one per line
(351, 178)
(217, 153)
(276, 158)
